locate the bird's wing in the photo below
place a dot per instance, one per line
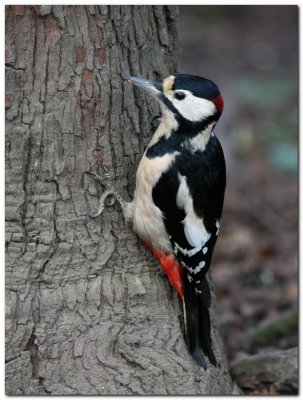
(190, 195)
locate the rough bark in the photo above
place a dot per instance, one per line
(275, 372)
(87, 309)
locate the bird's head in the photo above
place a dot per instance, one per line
(190, 98)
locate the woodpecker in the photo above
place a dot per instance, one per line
(178, 200)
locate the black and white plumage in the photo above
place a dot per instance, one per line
(178, 201)
(180, 191)
(190, 195)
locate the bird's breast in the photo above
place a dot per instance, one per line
(148, 219)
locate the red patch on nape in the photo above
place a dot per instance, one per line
(219, 103)
(171, 267)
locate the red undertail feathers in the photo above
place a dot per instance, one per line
(171, 267)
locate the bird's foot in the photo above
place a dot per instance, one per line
(110, 191)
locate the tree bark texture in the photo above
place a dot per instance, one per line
(87, 308)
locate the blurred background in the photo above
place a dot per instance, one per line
(251, 52)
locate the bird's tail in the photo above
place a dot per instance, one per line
(197, 321)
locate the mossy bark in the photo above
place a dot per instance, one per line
(87, 310)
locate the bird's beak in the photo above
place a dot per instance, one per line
(155, 88)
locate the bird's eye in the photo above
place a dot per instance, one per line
(179, 95)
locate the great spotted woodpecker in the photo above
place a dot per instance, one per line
(178, 201)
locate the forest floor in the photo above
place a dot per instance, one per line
(251, 53)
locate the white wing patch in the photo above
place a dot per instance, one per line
(194, 229)
(195, 270)
(189, 253)
(218, 227)
(199, 267)
(195, 232)
(194, 251)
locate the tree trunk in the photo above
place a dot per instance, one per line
(87, 309)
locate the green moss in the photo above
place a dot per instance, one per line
(275, 329)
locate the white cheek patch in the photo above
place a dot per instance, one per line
(192, 107)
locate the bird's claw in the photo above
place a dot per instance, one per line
(109, 192)
(110, 200)
(104, 180)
